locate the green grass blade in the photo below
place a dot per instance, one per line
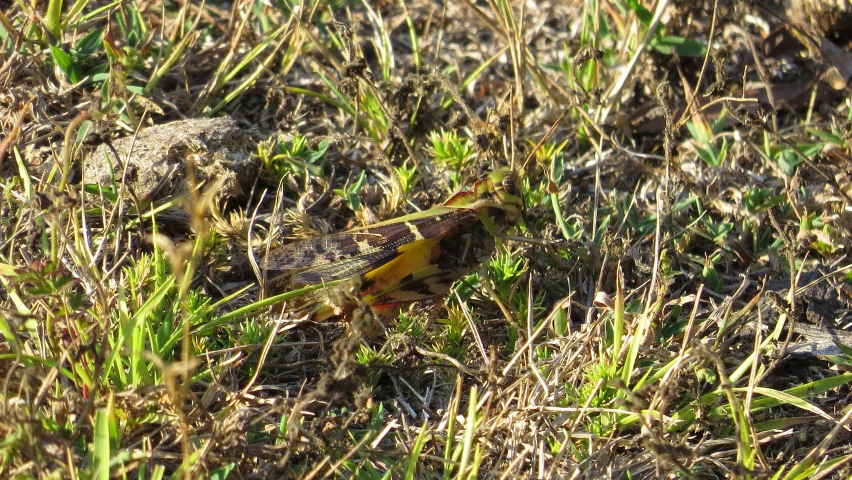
(415, 452)
(53, 17)
(101, 445)
(469, 430)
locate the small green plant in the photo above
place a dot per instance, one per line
(351, 192)
(280, 158)
(406, 176)
(662, 42)
(365, 355)
(717, 232)
(710, 276)
(759, 200)
(452, 151)
(455, 326)
(704, 140)
(505, 269)
(825, 235)
(596, 392)
(411, 325)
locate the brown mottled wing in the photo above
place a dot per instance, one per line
(342, 255)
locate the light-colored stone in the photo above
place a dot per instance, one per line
(156, 160)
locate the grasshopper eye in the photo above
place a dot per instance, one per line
(508, 184)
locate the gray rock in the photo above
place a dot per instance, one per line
(156, 160)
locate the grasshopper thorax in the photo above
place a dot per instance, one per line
(495, 199)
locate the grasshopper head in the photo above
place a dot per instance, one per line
(499, 203)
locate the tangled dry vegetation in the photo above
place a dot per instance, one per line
(673, 304)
